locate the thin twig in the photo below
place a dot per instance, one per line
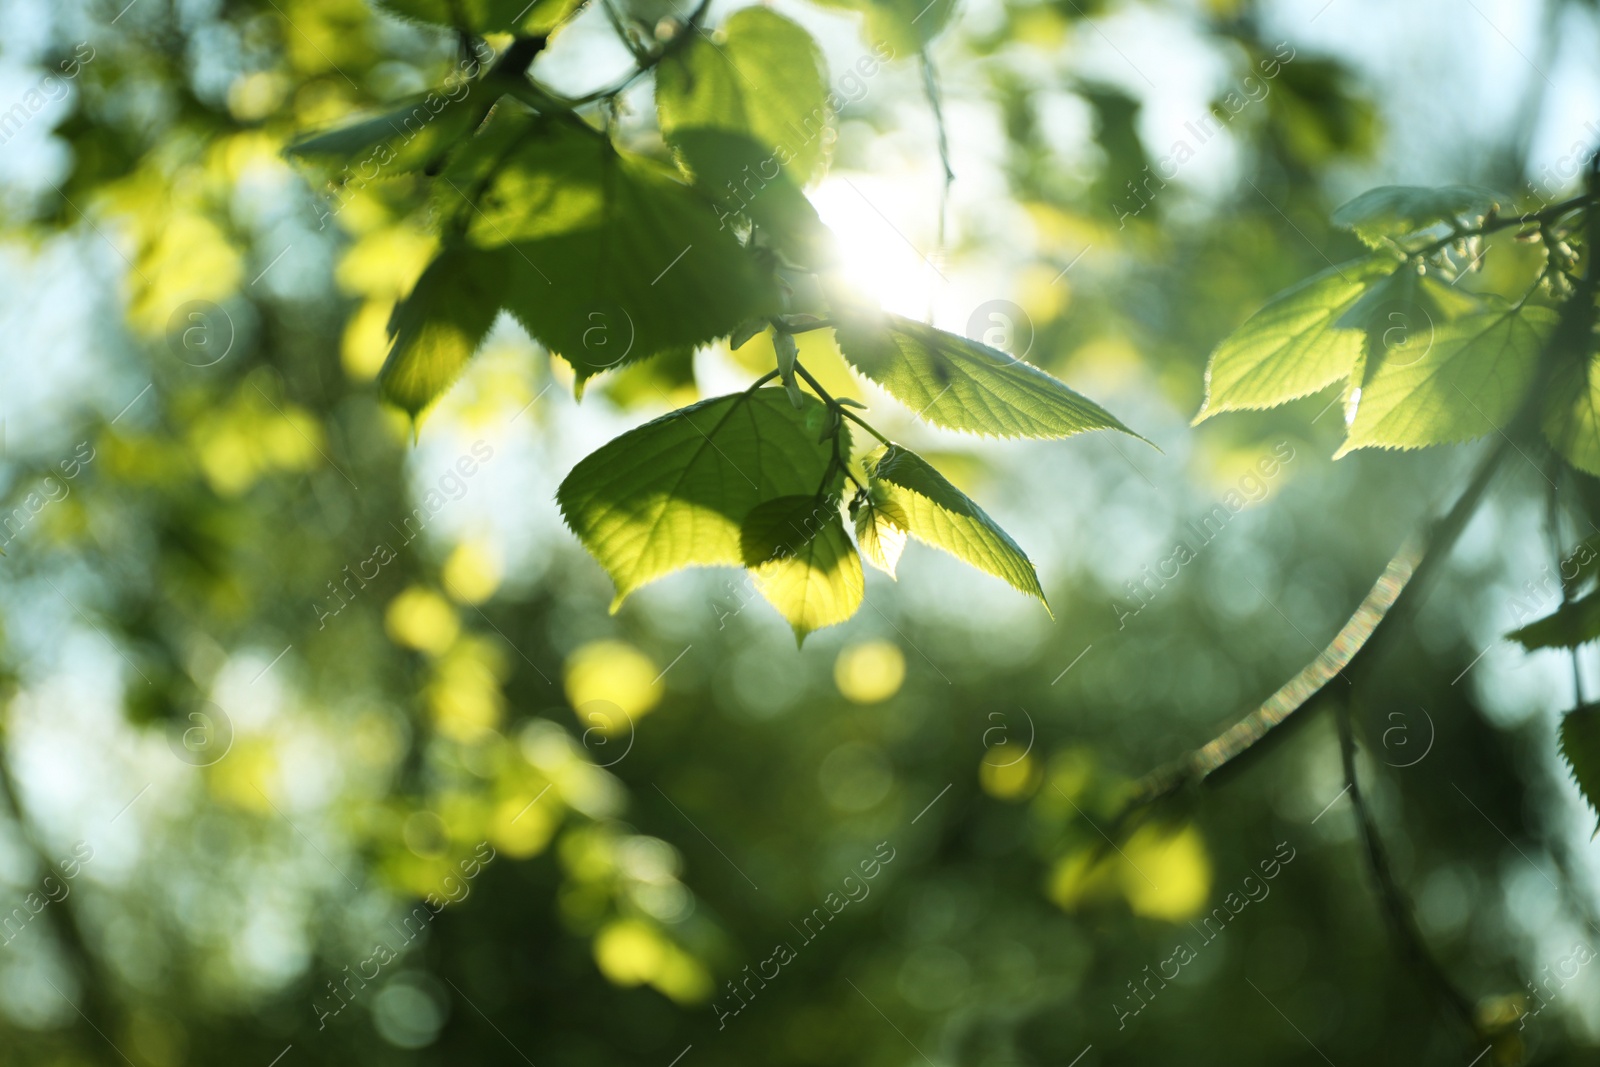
(1396, 908)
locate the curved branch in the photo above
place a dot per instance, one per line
(1394, 598)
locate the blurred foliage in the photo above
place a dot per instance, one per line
(322, 746)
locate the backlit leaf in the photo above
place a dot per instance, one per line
(675, 492)
(765, 80)
(608, 257)
(749, 119)
(801, 560)
(438, 327)
(1391, 211)
(940, 515)
(1467, 382)
(881, 528)
(963, 385)
(1293, 346)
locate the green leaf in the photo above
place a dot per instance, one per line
(608, 257)
(438, 327)
(802, 561)
(1580, 746)
(1469, 380)
(765, 80)
(1575, 623)
(486, 16)
(1293, 346)
(788, 354)
(410, 136)
(748, 117)
(1572, 415)
(675, 492)
(963, 385)
(1390, 211)
(940, 515)
(881, 527)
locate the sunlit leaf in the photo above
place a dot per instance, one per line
(940, 515)
(764, 79)
(881, 527)
(608, 257)
(1467, 382)
(675, 492)
(1293, 346)
(748, 117)
(1391, 211)
(438, 327)
(801, 560)
(963, 385)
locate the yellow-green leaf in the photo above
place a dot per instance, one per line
(675, 492)
(1468, 382)
(801, 560)
(749, 119)
(438, 327)
(961, 384)
(1294, 346)
(880, 528)
(940, 515)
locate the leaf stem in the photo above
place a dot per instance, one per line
(840, 408)
(1506, 222)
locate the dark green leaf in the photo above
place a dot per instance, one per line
(1580, 745)
(608, 257)
(1574, 623)
(405, 138)
(765, 80)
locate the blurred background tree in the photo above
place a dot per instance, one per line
(321, 746)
